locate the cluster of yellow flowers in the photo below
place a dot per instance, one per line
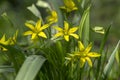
(82, 55)
(37, 31)
(10, 41)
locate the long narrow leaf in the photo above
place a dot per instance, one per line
(101, 50)
(34, 10)
(30, 67)
(82, 22)
(86, 29)
(110, 62)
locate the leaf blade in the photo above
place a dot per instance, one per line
(30, 67)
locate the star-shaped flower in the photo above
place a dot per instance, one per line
(36, 30)
(83, 54)
(53, 17)
(66, 32)
(13, 39)
(69, 6)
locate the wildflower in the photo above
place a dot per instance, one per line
(83, 54)
(4, 42)
(36, 30)
(98, 29)
(69, 6)
(66, 32)
(53, 17)
(13, 39)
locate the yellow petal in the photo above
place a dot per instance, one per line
(69, 3)
(88, 48)
(89, 61)
(58, 28)
(15, 36)
(67, 58)
(82, 62)
(38, 25)
(30, 26)
(34, 35)
(2, 48)
(44, 26)
(66, 2)
(81, 46)
(58, 34)
(75, 8)
(51, 19)
(28, 33)
(3, 38)
(93, 54)
(75, 36)
(66, 26)
(7, 42)
(66, 37)
(72, 30)
(54, 14)
(63, 7)
(42, 34)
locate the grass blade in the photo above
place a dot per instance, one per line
(101, 50)
(30, 67)
(86, 29)
(110, 62)
(83, 22)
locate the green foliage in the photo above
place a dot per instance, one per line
(108, 66)
(52, 50)
(30, 67)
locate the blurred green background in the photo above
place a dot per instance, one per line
(103, 13)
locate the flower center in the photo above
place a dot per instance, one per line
(82, 54)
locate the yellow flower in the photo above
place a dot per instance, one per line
(53, 17)
(36, 30)
(66, 32)
(83, 54)
(13, 39)
(69, 6)
(4, 42)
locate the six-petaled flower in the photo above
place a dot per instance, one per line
(53, 17)
(69, 6)
(83, 54)
(66, 32)
(36, 30)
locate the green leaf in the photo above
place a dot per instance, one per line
(34, 10)
(84, 26)
(98, 73)
(4, 69)
(6, 18)
(15, 56)
(117, 57)
(109, 65)
(30, 67)
(86, 29)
